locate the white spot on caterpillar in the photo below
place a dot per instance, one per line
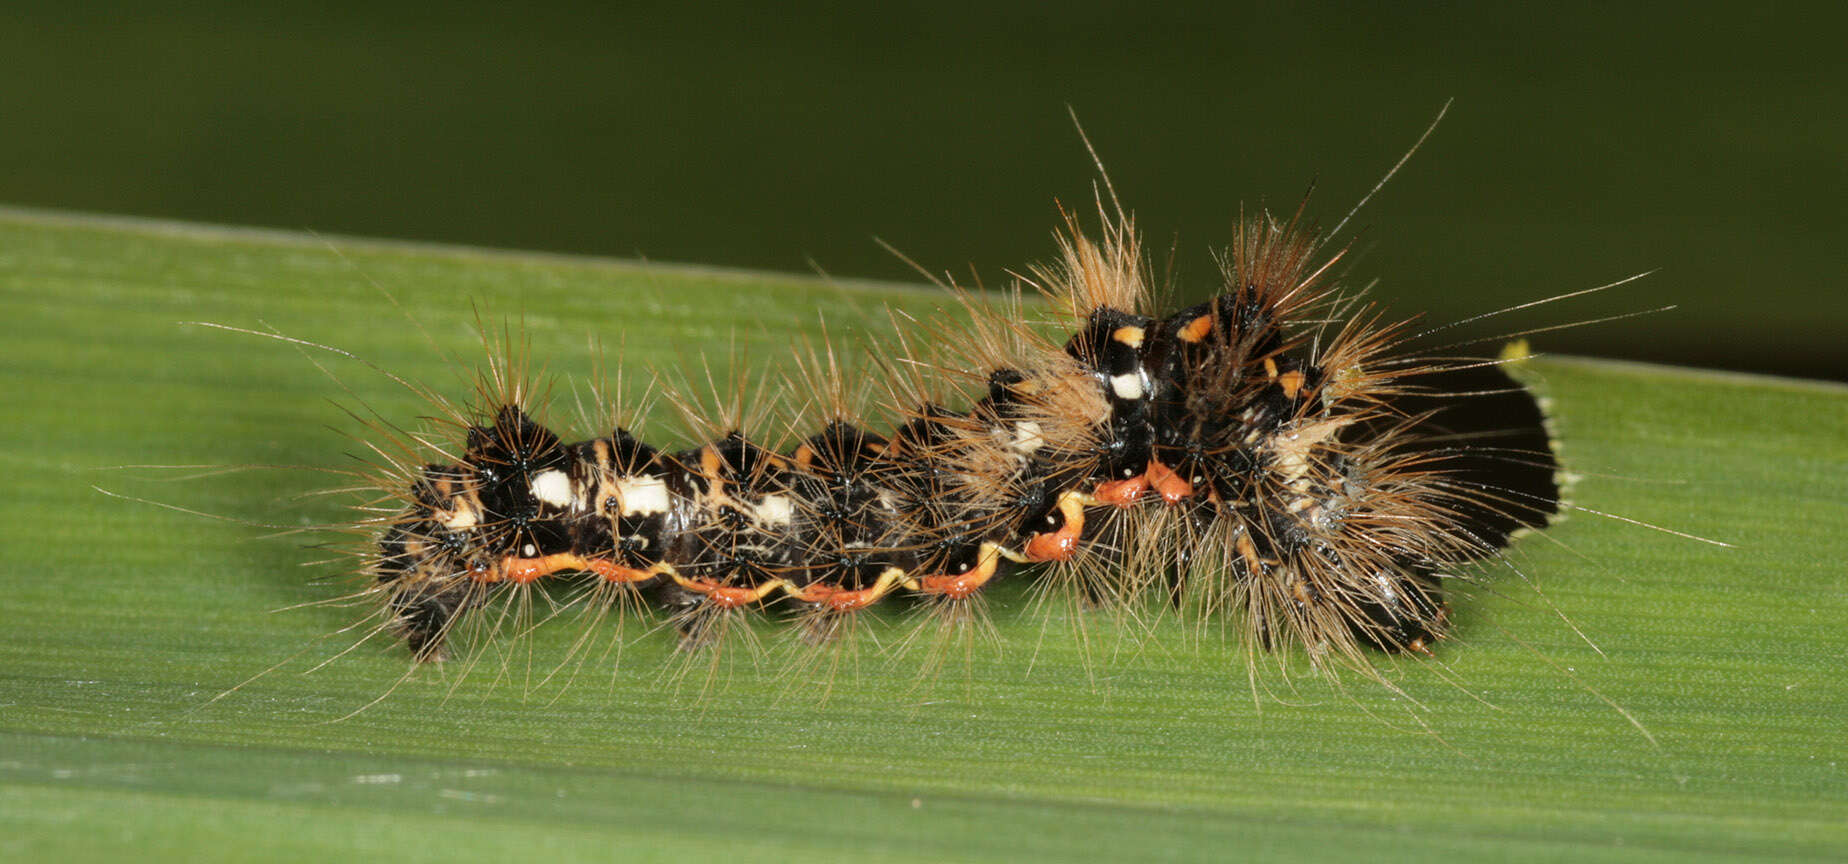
(776, 510)
(1127, 385)
(1028, 436)
(1384, 583)
(462, 518)
(552, 487)
(643, 495)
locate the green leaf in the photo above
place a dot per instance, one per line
(1073, 736)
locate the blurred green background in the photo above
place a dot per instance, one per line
(1706, 142)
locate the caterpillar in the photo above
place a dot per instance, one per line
(1276, 455)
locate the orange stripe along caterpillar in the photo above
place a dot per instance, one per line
(1272, 455)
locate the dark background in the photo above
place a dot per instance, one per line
(1707, 142)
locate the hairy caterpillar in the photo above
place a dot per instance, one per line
(1273, 455)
